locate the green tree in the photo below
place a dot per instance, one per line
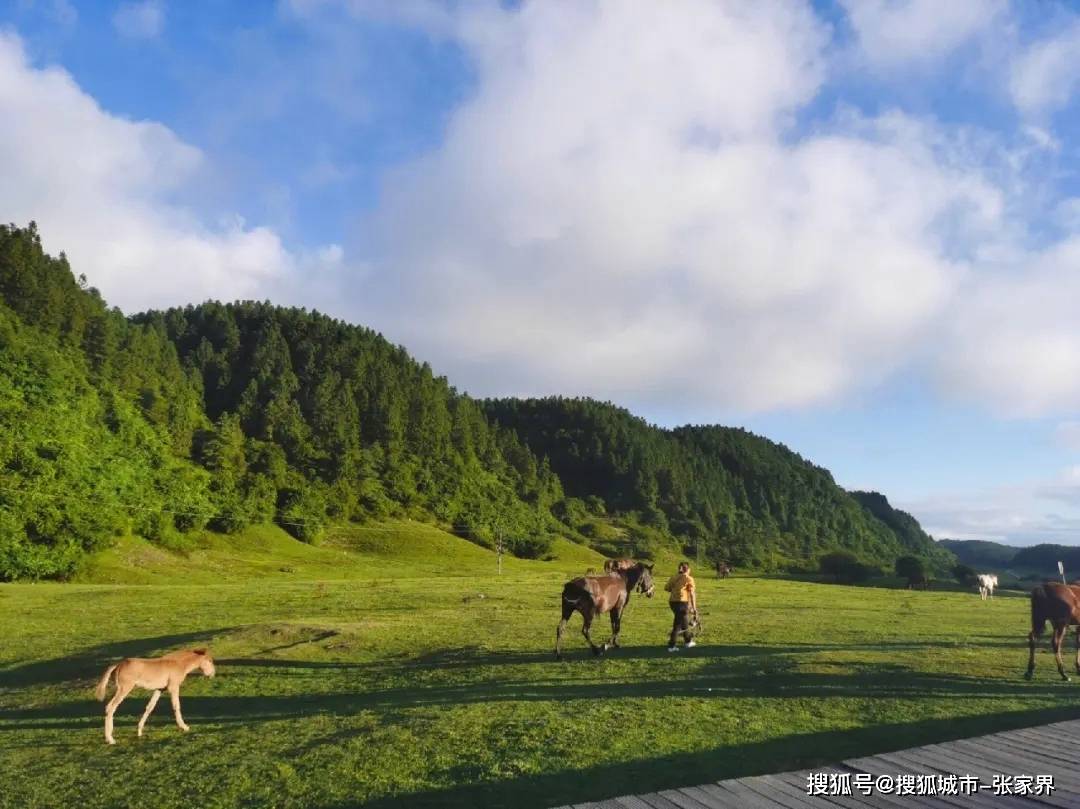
(913, 569)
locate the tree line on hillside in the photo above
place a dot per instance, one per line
(223, 415)
(735, 495)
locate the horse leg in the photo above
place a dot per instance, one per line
(110, 709)
(1059, 640)
(149, 709)
(174, 694)
(567, 612)
(1031, 656)
(1078, 650)
(587, 614)
(616, 623)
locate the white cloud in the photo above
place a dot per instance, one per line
(625, 207)
(1042, 138)
(1013, 340)
(895, 33)
(103, 189)
(1020, 515)
(142, 19)
(1044, 76)
(636, 221)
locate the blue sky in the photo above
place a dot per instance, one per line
(853, 227)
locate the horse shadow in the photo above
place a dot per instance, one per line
(91, 662)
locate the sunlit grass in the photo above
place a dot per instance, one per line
(391, 665)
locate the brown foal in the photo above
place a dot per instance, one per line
(153, 674)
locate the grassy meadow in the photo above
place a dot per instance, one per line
(391, 666)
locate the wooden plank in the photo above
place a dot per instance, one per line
(1010, 763)
(1013, 765)
(797, 780)
(965, 764)
(1067, 756)
(899, 762)
(1047, 733)
(657, 801)
(877, 765)
(723, 797)
(705, 798)
(797, 788)
(781, 797)
(682, 800)
(1009, 767)
(1045, 738)
(771, 784)
(1021, 762)
(1052, 749)
(749, 798)
(631, 802)
(995, 757)
(1071, 726)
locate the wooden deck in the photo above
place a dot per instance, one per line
(1048, 750)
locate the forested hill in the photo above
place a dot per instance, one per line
(742, 497)
(219, 416)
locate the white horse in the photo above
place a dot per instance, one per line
(987, 583)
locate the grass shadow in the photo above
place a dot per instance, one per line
(728, 680)
(734, 761)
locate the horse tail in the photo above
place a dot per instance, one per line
(575, 588)
(1038, 611)
(103, 684)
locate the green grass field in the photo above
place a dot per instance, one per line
(369, 670)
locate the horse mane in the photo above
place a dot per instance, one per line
(633, 575)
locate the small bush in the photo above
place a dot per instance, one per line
(963, 574)
(530, 547)
(845, 567)
(913, 569)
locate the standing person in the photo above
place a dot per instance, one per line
(683, 599)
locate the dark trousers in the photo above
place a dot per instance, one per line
(681, 622)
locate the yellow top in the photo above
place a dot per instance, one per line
(680, 586)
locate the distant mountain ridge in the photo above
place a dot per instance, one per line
(1031, 561)
(979, 553)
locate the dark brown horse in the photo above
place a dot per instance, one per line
(615, 565)
(1060, 605)
(595, 595)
